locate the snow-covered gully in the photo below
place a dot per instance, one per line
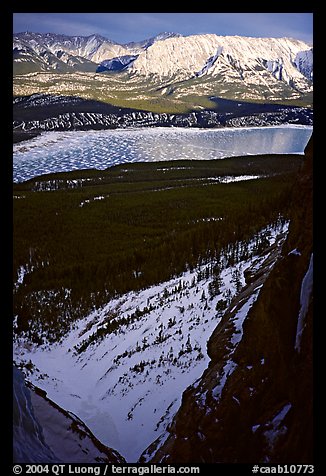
(123, 368)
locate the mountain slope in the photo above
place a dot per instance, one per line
(269, 64)
(120, 357)
(255, 404)
(304, 63)
(124, 367)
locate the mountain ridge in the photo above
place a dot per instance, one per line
(248, 66)
(94, 47)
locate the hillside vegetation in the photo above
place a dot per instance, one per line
(83, 237)
(138, 93)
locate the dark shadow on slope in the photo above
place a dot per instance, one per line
(37, 107)
(44, 112)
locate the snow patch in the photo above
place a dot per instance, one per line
(210, 62)
(276, 428)
(294, 252)
(240, 317)
(227, 370)
(306, 290)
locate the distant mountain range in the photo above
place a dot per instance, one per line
(274, 69)
(52, 52)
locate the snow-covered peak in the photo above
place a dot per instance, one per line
(167, 34)
(139, 46)
(256, 60)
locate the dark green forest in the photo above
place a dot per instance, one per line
(83, 237)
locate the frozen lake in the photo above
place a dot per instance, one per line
(64, 151)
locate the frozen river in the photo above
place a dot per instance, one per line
(64, 151)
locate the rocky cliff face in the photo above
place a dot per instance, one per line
(254, 402)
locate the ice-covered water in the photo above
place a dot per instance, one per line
(64, 151)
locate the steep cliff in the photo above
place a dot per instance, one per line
(254, 403)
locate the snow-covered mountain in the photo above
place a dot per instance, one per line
(254, 61)
(263, 66)
(50, 51)
(88, 47)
